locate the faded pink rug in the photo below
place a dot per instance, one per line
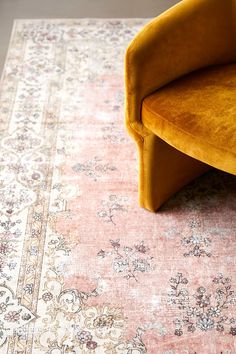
(83, 269)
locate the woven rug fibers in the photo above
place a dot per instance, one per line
(83, 269)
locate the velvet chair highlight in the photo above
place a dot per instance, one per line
(180, 73)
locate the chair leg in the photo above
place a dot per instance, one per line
(164, 171)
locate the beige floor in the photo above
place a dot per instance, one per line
(10, 9)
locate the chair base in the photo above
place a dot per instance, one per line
(164, 171)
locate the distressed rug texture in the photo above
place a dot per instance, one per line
(83, 269)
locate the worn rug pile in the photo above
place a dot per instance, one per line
(83, 269)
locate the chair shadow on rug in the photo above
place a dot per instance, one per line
(215, 191)
(180, 73)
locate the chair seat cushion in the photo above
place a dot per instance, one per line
(196, 114)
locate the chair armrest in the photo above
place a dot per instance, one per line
(191, 35)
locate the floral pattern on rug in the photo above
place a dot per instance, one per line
(197, 243)
(83, 269)
(208, 312)
(13, 315)
(112, 206)
(129, 261)
(93, 168)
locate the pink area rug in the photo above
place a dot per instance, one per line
(83, 269)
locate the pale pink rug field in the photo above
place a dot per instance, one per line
(83, 269)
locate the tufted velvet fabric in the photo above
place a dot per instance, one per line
(191, 112)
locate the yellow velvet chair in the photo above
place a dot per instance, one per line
(180, 73)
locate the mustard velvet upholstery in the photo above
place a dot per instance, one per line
(197, 115)
(180, 96)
